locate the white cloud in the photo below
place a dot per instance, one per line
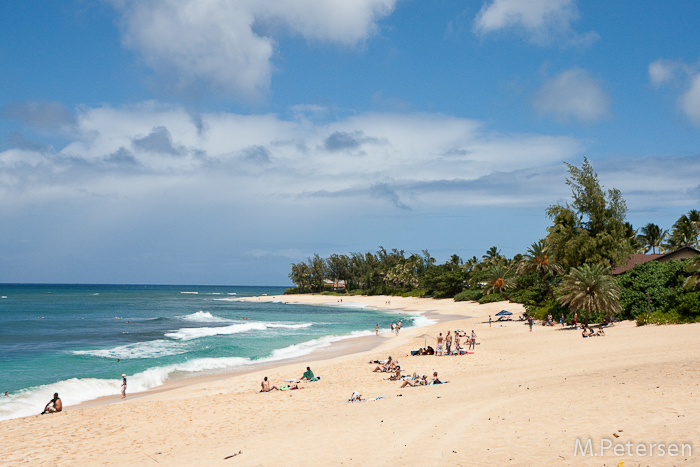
(690, 100)
(662, 71)
(218, 43)
(541, 21)
(680, 76)
(131, 151)
(573, 94)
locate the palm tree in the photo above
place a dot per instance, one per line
(693, 267)
(537, 259)
(493, 256)
(496, 280)
(685, 231)
(652, 238)
(590, 288)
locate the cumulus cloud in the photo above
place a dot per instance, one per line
(141, 148)
(661, 71)
(42, 116)
(681, 76)
(220, 43)
(573, 94)
(540, 21)
(690, 100)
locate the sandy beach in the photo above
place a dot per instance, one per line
(521, 399)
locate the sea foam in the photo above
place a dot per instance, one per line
(151, 349)
(186, 334)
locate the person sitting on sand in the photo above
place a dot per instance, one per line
(422, 381)
(590, 332)
(266, 386)
(309, 375)
(601, 332)
(54, 405)
(396, 376)
(435, 379)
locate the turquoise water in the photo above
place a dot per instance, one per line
(77, 340)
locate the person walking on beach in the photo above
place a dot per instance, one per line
(123, 386)
(398, 327)
(392, 327)
(438, 350)
(529, 322)
(376, 330)
(54, 405)
(448, 342)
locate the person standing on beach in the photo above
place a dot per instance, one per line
(448, 342)
(398, 327)
(457, 342)
(376, 329)
(438, 350)
(123, 386)
(392, 327)
(529, 322)
(562, 320)
(489, 320)
(472, 342)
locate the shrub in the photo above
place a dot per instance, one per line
(490, 298)
(468, 295)
(292, 291)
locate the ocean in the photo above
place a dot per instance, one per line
(78, 340)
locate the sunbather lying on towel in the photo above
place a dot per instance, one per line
(422, 381)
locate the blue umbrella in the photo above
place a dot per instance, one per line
(504, 313)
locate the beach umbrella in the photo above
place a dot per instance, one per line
(425, 338)
(504, 313)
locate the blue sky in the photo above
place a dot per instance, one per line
(193, 142)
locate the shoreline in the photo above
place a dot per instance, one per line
(347, 346)
(522, 398)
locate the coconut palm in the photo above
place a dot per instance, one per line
(590, 288)
(652, 237)
(685, 231)
(496, 280)
(537, 259)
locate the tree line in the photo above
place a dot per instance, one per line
(566, 271)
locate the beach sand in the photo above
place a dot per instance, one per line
(522, 399)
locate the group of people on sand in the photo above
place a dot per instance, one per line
(588, 332)
(307, 376)
(396, 327)
(391, 365)
(444, 344)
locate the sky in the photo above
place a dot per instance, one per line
(217, 142)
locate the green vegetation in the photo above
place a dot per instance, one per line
(568, 271)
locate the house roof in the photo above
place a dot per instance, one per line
(635, 259)
(643, 258)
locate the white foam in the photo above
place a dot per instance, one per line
(187, 334)
(151, 349)
(231, 293)
(193, 293)
(205, 317)
(73, 391)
